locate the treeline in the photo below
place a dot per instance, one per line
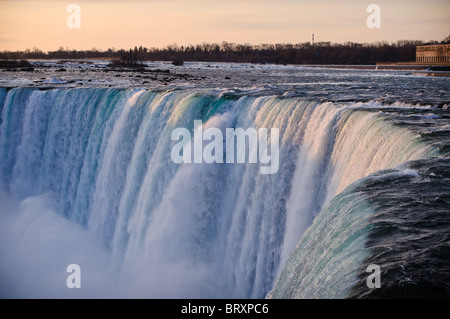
(302, 53)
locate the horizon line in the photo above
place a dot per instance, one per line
(423, 42)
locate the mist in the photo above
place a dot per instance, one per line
(37, 244)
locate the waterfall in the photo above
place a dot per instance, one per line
(100, 158)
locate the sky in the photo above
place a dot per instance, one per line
(156, 23)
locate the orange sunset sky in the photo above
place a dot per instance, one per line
(157, 23)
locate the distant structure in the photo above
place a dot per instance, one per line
(434, 53)
(313, 39)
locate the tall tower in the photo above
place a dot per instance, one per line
(313, 39)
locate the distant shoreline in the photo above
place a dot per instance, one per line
(320, 53)
(436, 70)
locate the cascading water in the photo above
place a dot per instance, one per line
(386, 220)
(101, 158)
